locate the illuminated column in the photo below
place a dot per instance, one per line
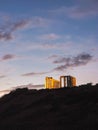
(48, 82)
(62, 81)
(73, 81)
(69, 81)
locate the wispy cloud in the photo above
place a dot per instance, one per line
(29, 86)
(6, 36)
(34, 73)
(81, 9)
(7, 29)
(2, 76)
(67, 62)
(64, 63)
(20, 25)
(42, 46)
(51, 36)
(7, 57)
(53, 56)
(40, 22)
(47, 45)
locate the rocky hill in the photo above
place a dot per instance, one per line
(58, 109)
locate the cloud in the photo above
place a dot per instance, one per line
(20, 25)
(30, 86)
(7, 57)
(34, 73)
(67, 62)
(53, 56)
(42, 46)
(39, 22)
(50, 36)
(29, 23)
(7, 29)
(6, 36)
(2, 76)
(47, 45)
(80, 9)
(64, 63)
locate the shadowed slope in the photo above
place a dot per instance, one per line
(59, 109)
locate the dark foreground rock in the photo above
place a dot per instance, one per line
(59, 109)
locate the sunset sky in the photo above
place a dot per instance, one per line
(40, 38)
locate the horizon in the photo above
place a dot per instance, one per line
(47, 38)
(38, 87)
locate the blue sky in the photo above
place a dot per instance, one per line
(40, 38)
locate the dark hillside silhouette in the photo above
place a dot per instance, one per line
(56, 109)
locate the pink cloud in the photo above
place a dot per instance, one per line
(50, 36)
(43, 46)
(29, 86)
(81, 9)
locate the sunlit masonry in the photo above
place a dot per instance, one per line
(65, 81)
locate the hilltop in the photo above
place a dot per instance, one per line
(56, 109)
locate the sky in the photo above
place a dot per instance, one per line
(40, 38)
